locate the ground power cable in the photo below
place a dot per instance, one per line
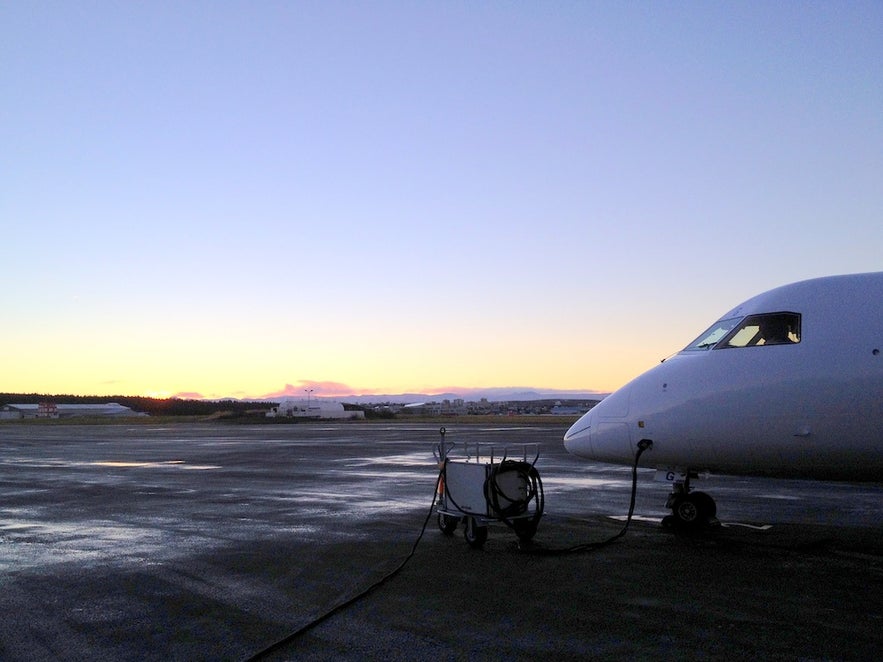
(510, 509)
(643, 445)
(350, 601)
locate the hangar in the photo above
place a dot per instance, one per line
(52, 410)
(314, 409)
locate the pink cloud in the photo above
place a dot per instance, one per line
(188, 395)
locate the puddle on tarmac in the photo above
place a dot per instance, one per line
(581, 482)
(176, 464)
(401, 460)
(30, 542)
(355, 505)
(48, 463)
(395, 476)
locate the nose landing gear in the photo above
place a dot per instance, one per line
(690, 510)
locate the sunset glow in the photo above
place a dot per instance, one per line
(393, 197)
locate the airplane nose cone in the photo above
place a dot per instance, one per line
(599, 437)
(578, 439)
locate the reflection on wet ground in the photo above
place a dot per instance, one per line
(417, 459)
(139, 504)
(177, 464)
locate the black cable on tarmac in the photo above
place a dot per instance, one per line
(343, 605)
(643, 445)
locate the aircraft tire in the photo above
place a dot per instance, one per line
(693, 510)
(686, 512)
(707, 506)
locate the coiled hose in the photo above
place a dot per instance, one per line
(510, 489)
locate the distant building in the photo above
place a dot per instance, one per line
(52, 410)
(459, 407)
(569, 410)
(312, 409)
(422, 409)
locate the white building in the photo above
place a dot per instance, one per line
(51, 410)
(313, 409)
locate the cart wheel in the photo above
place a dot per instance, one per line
(525, 529)
(475, 535)
(447, 523)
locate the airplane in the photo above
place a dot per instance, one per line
(788, 384)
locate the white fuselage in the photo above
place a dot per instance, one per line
(811, 406)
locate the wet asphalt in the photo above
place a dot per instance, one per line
(217, 541)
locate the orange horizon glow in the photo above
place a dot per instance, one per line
(303, 390)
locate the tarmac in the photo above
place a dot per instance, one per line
(234, 542)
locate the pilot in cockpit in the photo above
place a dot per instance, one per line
(775, 330)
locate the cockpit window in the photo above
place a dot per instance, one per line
(713, 335)
(762, 330)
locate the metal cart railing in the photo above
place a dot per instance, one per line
(487, 483)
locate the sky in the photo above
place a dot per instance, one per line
(248, 199)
